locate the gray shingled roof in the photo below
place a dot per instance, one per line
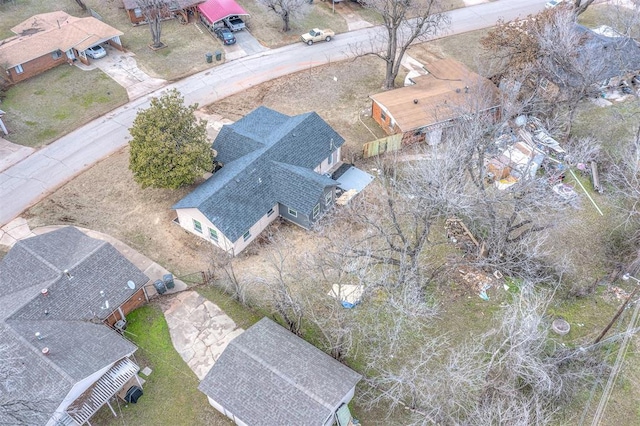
(604, 57)
(79, 344)
(269, 376)
(260, 152)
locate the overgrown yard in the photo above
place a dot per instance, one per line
(105, 198)
(57, 102)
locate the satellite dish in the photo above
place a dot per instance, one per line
(131, 284)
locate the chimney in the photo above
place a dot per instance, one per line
(45, 351)
(44, 292)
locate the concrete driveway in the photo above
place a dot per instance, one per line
(122, 67)
(245, 45)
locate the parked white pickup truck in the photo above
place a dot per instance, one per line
(234, 23)
(317, 35)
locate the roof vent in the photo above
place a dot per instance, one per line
(466, 89)
(44, 292)
(458, 90)
(67, 273)
(38, 335)
(45, 351)
(415, 101)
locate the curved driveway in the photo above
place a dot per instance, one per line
(30, 180)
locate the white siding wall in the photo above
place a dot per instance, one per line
(186, 217)
(255, 230)
(229, 414)
(324, 166)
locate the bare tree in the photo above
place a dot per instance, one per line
(154, 11)
(281, 297)
(513, 375)
(227, 278)
(405, 22)
(17, 408)
(287, 10)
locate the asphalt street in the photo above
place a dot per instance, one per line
(28, 181)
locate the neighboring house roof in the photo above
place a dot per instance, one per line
(269, 376)
(599, 58)
(43, 34)
(69, 318)
(447, 92)
(216, 10)
(173, 4)
(268, 158)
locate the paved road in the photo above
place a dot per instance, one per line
(30, 180)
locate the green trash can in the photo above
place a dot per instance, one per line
(209, 57)
(218, 55)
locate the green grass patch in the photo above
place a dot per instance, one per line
(241, 315)
(67, 98)
(170, 395)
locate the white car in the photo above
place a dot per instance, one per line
(96, 52)
(552, 3)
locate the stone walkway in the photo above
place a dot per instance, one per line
(199, 330)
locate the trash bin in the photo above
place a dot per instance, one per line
(168, 281)
(161, 288)
(209, 57)
(218, 55)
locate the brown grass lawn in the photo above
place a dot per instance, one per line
(105, 198)
(266, 26)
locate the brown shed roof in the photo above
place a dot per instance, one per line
(448, 90)
(46, 33)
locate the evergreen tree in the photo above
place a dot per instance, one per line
(169, 146)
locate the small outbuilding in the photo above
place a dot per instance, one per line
(269, 376)
(434, 102)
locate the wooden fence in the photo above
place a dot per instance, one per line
(380, 146)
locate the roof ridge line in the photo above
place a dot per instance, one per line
(278, 373)
(47, 360)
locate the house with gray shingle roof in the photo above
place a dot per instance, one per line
(269, 376)
(60, 359)
(273, 165)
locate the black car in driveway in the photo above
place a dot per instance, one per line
(225, 35)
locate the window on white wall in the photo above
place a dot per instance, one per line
(270, 212)
(293, 212)
(213, 234)
(197, 226)
(328, 198)
(246, 235)
(316, 210)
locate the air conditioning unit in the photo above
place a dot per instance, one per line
(120, 325)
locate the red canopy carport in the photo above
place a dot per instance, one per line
(217, 10)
